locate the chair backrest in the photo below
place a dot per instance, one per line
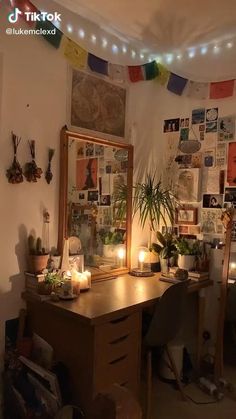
(168, 315)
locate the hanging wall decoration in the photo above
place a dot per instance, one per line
(32, 171)
(14, 173)
(48, 173)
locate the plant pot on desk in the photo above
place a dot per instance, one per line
(186, 262)
(37, 263)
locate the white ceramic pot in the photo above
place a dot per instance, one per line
(186, 262)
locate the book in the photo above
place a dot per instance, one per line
(198, 274)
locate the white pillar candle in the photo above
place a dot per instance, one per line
(121, 256)
(83, 281)
(88, 275)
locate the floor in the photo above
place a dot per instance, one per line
(167, 402)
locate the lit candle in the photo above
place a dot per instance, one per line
(88, 275)
(75, 281)
(83, 280)
(141, 258)
(121, 255)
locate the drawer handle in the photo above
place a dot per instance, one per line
(121, 339)
(121, 358)
(121, 319)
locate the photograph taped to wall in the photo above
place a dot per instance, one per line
(230, 195)
(184, 133)
(171, 125)
(209, 157)
(212, 114)
(195, 230)
(211, 221)
(198, 116)
(188, 185)
(226, 128)
(211, 127)
(212, 201)
(183, 229)
(86, 174)
(97, 105)
(221, 154)
(80, 149)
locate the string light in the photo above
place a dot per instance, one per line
(141, 56)
(81, 33)
(169, 58)
(179, 56)
(191, 53)
(124, 49)
(229, 45)
(93, 39)
(115, 49)
(104, 42)
(204, 50)
(216, 49)
(133, 53)
(69, 28)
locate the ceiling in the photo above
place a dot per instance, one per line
(153, 28)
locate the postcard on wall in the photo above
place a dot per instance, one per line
(97, 104)
(196, 160)
(86, 174)
(99, 150)
(184, 133)
(221, 153)
(89, 149)
(226, 128)
(210, 181)
(92, 196)
(209, 157)
(195, 230)
(231, 169)
(183, 229)
(105, 200)
(211, 221)
(230, 195)
(210, 141)
(188, 185)
(211, 126)
(105, 184)
(212, 201)
(184, 122)
(171, 125)
(82, 197)
(198, 116)
(211, 114)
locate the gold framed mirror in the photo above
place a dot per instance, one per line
(95, 201)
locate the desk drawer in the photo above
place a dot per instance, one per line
(117, 350)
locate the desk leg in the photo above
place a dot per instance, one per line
(201, 315)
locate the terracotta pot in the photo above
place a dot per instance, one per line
(38, 263)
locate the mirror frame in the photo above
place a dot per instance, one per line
(63, 191)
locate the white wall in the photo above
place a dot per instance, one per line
(35, 74)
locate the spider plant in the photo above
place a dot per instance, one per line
(153, 203)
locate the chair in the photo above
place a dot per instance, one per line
(164, 326)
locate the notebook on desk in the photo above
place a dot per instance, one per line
(173, 280)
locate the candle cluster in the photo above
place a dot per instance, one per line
(80, 281)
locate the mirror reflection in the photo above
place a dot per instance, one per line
(97, 203)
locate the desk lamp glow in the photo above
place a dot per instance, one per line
(143, 268)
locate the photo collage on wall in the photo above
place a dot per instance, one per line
(206, 178)
(100, 170)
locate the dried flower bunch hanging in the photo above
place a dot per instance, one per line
(48, 173)
(32, 171)
(15, 173)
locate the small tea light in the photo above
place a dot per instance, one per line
(141, 258)
(121, 256)
(89, 280)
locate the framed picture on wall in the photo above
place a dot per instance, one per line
(96, 105)
(187, 216)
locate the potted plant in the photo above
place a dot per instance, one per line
(188, 252)
(166, 249)
(52, 280)
(110, 240)
(38, 258)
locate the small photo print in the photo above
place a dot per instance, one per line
(92, 196)
(230, 194)
(80, 149)
(212, 114)
(202, 136)
(202, 127)
(89, 149)
(194, 230)
(183, 229)
(211, 127)
(99, 150)
(184, 132)
(198, 116)
(212, 201)
(105, 200)
(171, 125)
(108, 169)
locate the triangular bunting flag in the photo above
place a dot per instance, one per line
(52, 34)
(151, 70)
(163, 74)
(117, 72)
(135, 73)
(197, 90)
(221, 89)
(176, 84)
(97, 64)
(76, 55)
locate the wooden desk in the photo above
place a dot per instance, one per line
(98, 336)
